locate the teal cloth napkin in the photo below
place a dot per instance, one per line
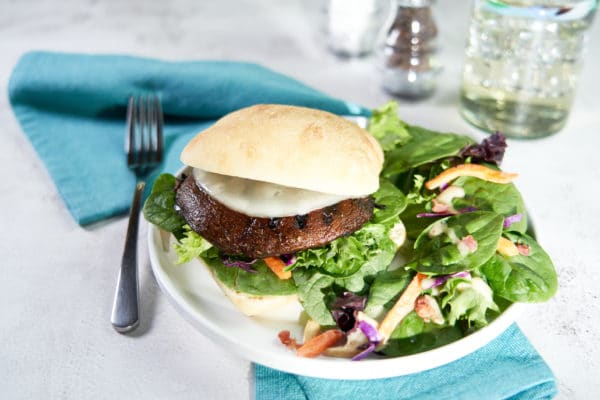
(506, 368)
(72, 109)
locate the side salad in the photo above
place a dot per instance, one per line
(447, 250)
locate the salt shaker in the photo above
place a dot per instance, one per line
(352, 26)
(409, 52)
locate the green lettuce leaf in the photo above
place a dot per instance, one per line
(387, 127)
(349, 263)
(467, 299)
(190, 246)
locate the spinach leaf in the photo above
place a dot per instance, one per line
(159, 208)
(424, 147)
(315, 291)
(413, 335)
(385, 290)
(263, 282)
(503, 199)
(439, 254)
(415, 225)
(389, 201)
(522, 278)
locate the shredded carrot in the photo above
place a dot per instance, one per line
(474, 170)
(507, 248)
(404, 305)
(320, 343)
(277, 265)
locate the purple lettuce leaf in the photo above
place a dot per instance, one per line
(490, 150)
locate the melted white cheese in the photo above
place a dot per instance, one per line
(262, 199)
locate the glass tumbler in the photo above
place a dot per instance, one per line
(522, 62)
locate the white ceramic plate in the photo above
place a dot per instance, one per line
(193, 292)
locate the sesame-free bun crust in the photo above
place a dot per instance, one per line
(291, 146)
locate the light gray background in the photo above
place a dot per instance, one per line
(57, 278)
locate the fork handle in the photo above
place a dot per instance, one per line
(125, 312)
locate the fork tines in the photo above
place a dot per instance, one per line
(143, 139)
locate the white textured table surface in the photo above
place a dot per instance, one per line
(57, 278)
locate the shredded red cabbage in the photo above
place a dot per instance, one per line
(365, 352)
(508, 221)
(490, 150)
(440, 280)
(288, 259)
(431, 214)
(371, 333)
(446, 214)
(244, 265)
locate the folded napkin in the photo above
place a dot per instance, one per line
(72, 108)
(506, 368)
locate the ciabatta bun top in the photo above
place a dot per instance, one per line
(291, 146)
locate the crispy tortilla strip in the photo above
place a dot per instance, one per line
(404, 305)
(474, 170)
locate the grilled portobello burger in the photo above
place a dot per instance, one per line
(236, 233)
(271, 179)
(273, 182)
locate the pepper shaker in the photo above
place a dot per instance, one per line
(409, 52)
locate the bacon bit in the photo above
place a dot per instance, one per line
(467, 245)
(507, 248)
(428, 309)
(524, 250)
(474, 170)
(320, 343)
(286, 339)
(277, 265)
(404, 305)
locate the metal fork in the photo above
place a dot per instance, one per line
(144, 148)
